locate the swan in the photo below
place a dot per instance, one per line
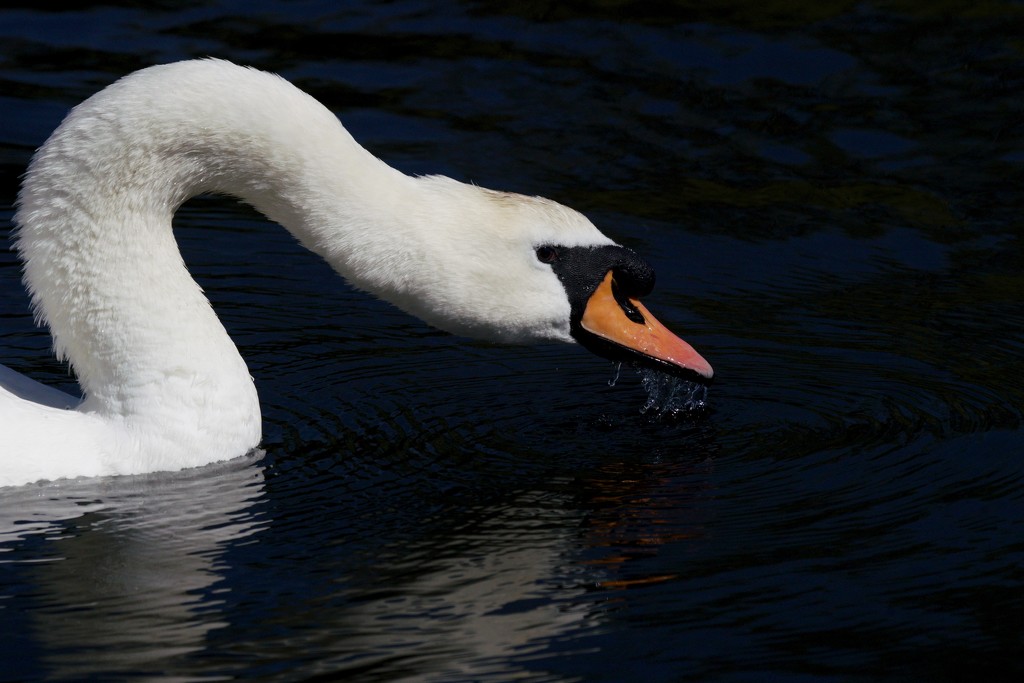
(164, 387)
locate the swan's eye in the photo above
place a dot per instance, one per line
(547, 254)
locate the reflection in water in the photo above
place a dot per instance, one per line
(636, 511)
(138, 574)
(123, 582)
(486, 601)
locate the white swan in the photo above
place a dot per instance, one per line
(164, 387)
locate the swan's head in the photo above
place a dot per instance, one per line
(510, 268)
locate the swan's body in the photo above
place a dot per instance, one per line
(164, 387)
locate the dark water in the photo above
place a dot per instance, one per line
(831, 196)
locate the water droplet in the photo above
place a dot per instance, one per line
(669, 395)
(614, 380)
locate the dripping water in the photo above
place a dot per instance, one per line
(615, 380)
(671, 396)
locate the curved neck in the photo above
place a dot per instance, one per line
(95, 232)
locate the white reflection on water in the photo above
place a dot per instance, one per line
(122, 576)
(120, 581)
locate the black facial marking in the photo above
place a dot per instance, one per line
(581, 270)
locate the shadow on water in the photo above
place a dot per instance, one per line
(829, 193)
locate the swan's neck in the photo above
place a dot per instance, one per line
(101, 261)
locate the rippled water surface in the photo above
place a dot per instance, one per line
(831, 197)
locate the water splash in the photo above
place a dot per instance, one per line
(671, 396)
(615, 380)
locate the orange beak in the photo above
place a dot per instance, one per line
(606, 317)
